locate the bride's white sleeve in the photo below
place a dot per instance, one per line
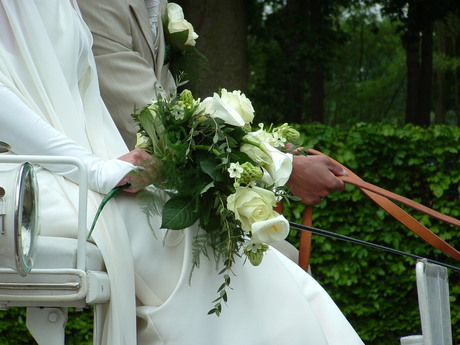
(27, 133)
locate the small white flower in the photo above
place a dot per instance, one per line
(251, 246)
(255, 251)
(178, 112)
(235, 170)
(143, 141)
(278, 140)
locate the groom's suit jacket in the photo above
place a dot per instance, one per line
(129, 58)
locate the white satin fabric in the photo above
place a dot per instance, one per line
(48, 78)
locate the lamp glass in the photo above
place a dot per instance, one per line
(25, 217)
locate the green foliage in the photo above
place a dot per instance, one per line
(376, 290)
(79, 330)
(13, 330)
(339, 62)
(361, 53)
(368, 80)
(287, 45)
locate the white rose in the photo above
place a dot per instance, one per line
(280, 168)
(143, 142)
(263, 136)
(270, 230)
(177, 23)
(240, 103)
(256, 154)
(277, 164)
(215, 107)
(251, 204)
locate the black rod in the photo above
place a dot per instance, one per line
(365, 243)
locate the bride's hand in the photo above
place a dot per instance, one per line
(140, 178)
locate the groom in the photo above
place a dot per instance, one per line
(129, 57)
(129, 46)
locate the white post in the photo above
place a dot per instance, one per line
(47, 325)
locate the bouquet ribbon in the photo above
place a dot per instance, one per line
(384, 198)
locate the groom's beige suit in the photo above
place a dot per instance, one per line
(129, 58)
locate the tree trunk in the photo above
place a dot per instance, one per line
(316, 78)
(412, 46)
(440, 100)
(317, 94)
(426, 79)
(304, 101)
(222, 28)
(296, 62)
(456, 80)
(419, 49)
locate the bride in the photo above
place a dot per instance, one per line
(50, 105)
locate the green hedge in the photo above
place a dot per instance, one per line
(13, 330)
(375, 289)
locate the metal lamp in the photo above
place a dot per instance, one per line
(18, 215)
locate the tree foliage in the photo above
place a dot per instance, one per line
(316, 60)
(417, 19)
(340, 61)
(370, 83)
(291, 46)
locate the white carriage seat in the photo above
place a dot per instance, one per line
(61, 252)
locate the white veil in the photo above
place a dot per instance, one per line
(46, 60)
(35, 66)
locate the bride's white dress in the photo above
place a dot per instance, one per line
(51, 105)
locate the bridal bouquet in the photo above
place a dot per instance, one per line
(216, 170)
(219, 173)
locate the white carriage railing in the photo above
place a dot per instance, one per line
(67, 273)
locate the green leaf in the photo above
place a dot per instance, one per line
(241, 157)
(208, 166)
(178, 39)
(179, 212)
(208, 220)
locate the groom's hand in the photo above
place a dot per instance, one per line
(314, 177)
